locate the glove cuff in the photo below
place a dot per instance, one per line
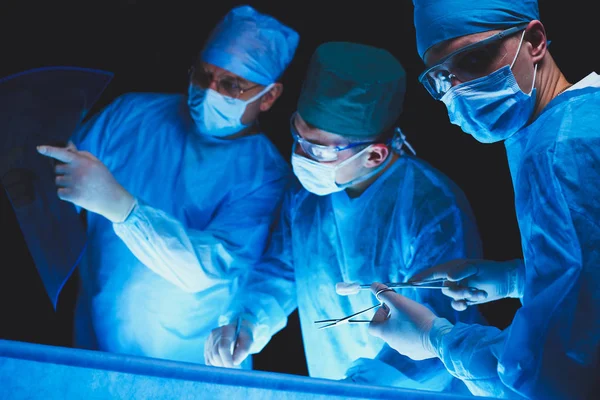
(439, 328)
(129, 204)
(516, 279)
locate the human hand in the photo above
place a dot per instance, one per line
(222, 350)
(85, 181)
(403, 323)
(477, 281)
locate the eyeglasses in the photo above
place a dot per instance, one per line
(226, 85)
(318, 151)
(465, 64)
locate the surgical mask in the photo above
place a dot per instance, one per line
(320, 179)
(491, 108)
(216, 114)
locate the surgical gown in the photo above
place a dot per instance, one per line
(156, 284)
(551, 350)
(410, 218)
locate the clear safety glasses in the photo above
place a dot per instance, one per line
(319, 152)
(465, 64)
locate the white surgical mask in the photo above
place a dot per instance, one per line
(320, 179)
(218, 115)
(491, 108)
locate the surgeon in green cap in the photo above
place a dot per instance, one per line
(365, 211)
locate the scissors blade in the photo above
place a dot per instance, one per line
(322, 321)
(329, 325)
(346, 319)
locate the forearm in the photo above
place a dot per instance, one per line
(471, 353)
(267, 299)
(192, 260)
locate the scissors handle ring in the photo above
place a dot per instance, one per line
(381, 291)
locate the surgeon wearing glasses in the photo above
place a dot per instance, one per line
(180, 192)
(488, 61)
(366, 210)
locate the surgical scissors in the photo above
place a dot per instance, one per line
(335, 322)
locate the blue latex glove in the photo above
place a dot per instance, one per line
(478, 281)
(85, 181)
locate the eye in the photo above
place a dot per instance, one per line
(230, 85)
(475, 62)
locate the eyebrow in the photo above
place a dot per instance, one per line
(459, 50)
(226, 74)
(314, 141)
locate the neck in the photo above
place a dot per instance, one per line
(551, 83)
(359, 188)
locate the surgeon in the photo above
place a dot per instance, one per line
(366, 210)
(489, 62)
(180, 193)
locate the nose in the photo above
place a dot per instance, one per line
(454, 80)
(213, 84)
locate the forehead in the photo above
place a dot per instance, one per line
(442, 49)
(316, 135)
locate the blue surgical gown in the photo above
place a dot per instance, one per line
(410, 218)
(156, 284)
(551, 349)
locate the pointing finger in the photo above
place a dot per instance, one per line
(58, 153)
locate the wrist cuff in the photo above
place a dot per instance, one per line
(440, 327)
(516, 278)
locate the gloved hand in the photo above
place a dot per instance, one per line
(220, 349)
(85, 181)
(403, 323)
(477, 281)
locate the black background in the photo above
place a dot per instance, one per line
(149, 47)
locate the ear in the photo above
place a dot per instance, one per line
(536, 35)
(270, 97)
(378, 154)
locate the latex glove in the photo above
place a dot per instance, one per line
(85, 181)
(403, 323)
(477, 281)
(221, 349)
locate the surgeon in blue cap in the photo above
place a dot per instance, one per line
(180, 192)
(365, 210)
(489, 62)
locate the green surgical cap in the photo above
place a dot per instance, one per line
(352, 90)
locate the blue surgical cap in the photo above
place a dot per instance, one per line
(440, 20)
(252, 45)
